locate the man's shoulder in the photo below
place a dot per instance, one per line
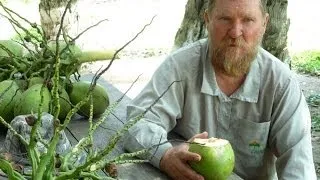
(271, 63)
(187, 60)
(273, 69)
(192, 50)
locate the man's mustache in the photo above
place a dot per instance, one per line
(238, 42)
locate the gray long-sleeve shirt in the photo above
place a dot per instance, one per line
(266, 120)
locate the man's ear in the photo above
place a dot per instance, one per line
(206, 17)
(266, 20)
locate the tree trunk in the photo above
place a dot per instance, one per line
(275, 39)
(193, 26)
(51, 12)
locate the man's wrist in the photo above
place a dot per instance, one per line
(159, 153)
(163, 159)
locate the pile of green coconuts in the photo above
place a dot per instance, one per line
(26, 79)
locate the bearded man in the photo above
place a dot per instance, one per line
(228, 87)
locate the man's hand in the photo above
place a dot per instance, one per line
(175, 161)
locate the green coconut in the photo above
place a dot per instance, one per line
(9, 92)
(30, 100)
(96, 55)
(72, 49)
(15, 48)
(11, 54)
(79, 91)
(35, 80)
(217, 158)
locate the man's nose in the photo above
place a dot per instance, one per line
(235, 30)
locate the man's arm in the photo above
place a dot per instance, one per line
(161, 118)
(290, 136)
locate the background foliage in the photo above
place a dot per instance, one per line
(307, 62)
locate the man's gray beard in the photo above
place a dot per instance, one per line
(232, 65)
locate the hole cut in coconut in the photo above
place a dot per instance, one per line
(211, 142)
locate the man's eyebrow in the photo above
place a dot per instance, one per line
(222, 13)
(243, 14)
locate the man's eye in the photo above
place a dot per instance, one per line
(224, 18)
(248, 20)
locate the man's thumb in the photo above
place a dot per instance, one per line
(202, 135)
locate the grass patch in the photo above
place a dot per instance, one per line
(314, 101)
(307, 62)
(315, 122)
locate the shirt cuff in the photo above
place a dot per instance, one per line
(158, 153)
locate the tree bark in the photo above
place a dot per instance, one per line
(275, 39)
(193, 26)
(51, 12)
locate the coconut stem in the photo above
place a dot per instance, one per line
(51, 150)
(92, 56)
(34, 156)
(12, 174)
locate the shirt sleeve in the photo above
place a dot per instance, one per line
(161, 118)
(290, 136)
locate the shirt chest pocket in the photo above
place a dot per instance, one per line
(250, 141)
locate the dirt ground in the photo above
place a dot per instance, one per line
(311, 85)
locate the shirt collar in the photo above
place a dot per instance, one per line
(249, 91)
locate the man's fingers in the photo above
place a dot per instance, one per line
(202, 135)
(183, 171)
(189, 156)
(175, 163)
(187, 173)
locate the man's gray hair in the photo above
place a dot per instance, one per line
(263, 5)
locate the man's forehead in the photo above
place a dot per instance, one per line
(245, 7)
(238, 3)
